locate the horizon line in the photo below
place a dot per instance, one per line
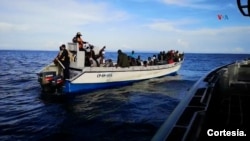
(135, 51)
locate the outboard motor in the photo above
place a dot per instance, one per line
(50, 82)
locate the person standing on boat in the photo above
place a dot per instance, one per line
(79, 40)
(64, 59)
(122, 59)
(100, 56)
(56, 60)
(93, 59)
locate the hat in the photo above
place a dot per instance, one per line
(63, 45)
(79, 34)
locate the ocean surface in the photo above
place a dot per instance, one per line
(131, 113)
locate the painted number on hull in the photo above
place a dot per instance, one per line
(100, 75)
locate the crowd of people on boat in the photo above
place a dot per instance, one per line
(94, 59)
(124, 60)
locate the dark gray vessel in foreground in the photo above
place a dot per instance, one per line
(217, 105)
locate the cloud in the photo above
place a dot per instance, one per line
(163, 26)
(197, 4)
(202, 39)
(238, 50)
(183, 43)
(47, 15)
(44, 23)
(167, 25)
(12, 27)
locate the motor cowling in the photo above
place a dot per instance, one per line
(57, 81)
(50, 81)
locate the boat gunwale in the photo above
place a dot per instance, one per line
(114, 69)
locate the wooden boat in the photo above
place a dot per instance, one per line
(86, 78)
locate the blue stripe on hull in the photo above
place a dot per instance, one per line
(88, 87)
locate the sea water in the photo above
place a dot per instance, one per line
(132, 112)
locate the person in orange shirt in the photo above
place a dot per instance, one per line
(79, 40)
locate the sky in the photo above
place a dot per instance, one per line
(191, 26)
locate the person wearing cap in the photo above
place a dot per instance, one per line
(64, 59)
(79, 40)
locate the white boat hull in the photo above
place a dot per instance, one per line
(100, 77)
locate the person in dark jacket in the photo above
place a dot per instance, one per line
(64, 59)
(122, 59)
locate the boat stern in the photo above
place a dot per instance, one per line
(50, 79)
